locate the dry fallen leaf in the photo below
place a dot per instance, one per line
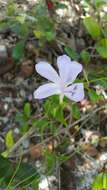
(36, 151)
(90, 150)
(103, 143)
(27, 69)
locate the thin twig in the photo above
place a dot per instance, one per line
(63, 130)
(19, 142)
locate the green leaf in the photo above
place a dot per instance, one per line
(100, 3)
(55, 110)
(50, 161)
(85, 56)
(6, 170)
(41, 123)
(35, 184)
(38, 34)
(105, 181)
(75, 111)
(92, 27)
(58, 114)
(98, 182)
(61, 6)
(18, 51)
(101, 48)
(24, 30)
(21, 19)
(23, 122)
(9, 139)
(20, 118)
(11, 7)
(71, 53)
(25, 174)
(40, 10)
(45, 29)
(94, 97)
(103, 83)
(50, 35)
(27, 110)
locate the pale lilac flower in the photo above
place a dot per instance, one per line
(60, 83)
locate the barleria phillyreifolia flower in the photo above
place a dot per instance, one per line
(60, 83)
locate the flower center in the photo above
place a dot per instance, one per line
(62, 86)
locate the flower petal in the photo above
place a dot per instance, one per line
(75, 92)
(68, 69)
(46, 90)
(47, 71)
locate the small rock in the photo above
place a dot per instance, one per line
(47, 183)
(22, 93)
(25, 144)
(16, 131)
(3, 54)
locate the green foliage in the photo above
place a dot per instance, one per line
(75, 112)
(55, 110)
(6, 171)
(41, 123)
(25, 175)
(35, 184)
(27, 110)
(61, 6)
(85, 56)
(71, 53)
(44, 29)
(23, 118)
(41, 26)
(20, 176)
(94, 97)
(35, 22)
(95, 25)
(18, 51)
(11, 8)
(100, 3)
(100, 182)
(101, 48)
(50, 161)
(9, 140)
(92, 27)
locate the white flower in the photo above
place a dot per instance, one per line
(60, 83)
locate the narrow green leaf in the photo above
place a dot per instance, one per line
(94, 97)
(98, 182)
(25, 174)
(27, 109)
(72, 53)
(85, 56)
(9, 139)
(92, 27)
(40, 123)
(6, 170)
(50, 161)
(101, 48)
(21, 19)
(100, 3)
(11, 8)
(75, 111)
(50, 35)
(105, 181)
(18, 51)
